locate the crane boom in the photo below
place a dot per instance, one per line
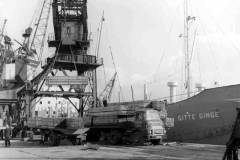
(2, 30)
(107, 92)
(116, 71)
(39, 36)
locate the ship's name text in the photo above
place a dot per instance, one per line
(192, 116)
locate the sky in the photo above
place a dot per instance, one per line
(145, 42)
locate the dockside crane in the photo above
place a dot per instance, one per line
(35, 37)
(71, 43)
(115, 68)
(106, 94)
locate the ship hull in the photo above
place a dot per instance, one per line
(205, 118)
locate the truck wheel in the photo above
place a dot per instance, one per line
(127, 140)
(73, 140)
(114, 137)
(54, 139)
(103, 137)
(138, 138)
(156, 141)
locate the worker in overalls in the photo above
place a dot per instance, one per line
(7, 132)
(1, 127)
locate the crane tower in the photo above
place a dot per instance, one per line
(72, 42)
(71, 57)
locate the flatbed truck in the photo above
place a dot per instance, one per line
(122, 124)
(53, 130)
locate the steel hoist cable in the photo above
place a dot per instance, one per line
(120, 87)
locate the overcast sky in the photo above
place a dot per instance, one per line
(144, 36)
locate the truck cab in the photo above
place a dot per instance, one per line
(153, 123)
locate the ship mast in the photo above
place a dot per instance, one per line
(187, 20)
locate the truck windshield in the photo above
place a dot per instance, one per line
(152, 115)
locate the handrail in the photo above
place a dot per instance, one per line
(83, 58)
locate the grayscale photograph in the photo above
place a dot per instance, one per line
(119, 79)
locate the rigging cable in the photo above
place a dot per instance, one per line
(99, 35)
(106, 39)
(120, 87)
(35, 13)
(51, 65)
(164, 50)
(192, 49)
(198, 59)
(211, 51)
(198, 55)
(199, 67)
(225, 36)
(104, 74)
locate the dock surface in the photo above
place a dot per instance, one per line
(186, 151)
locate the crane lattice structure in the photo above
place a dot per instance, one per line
(2, 30)
(71, 43)
(40, 29)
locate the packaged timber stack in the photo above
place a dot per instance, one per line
(105, 120)
(75, 123)
(44, 122)
(112, 110)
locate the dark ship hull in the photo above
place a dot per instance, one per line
(205, 118)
